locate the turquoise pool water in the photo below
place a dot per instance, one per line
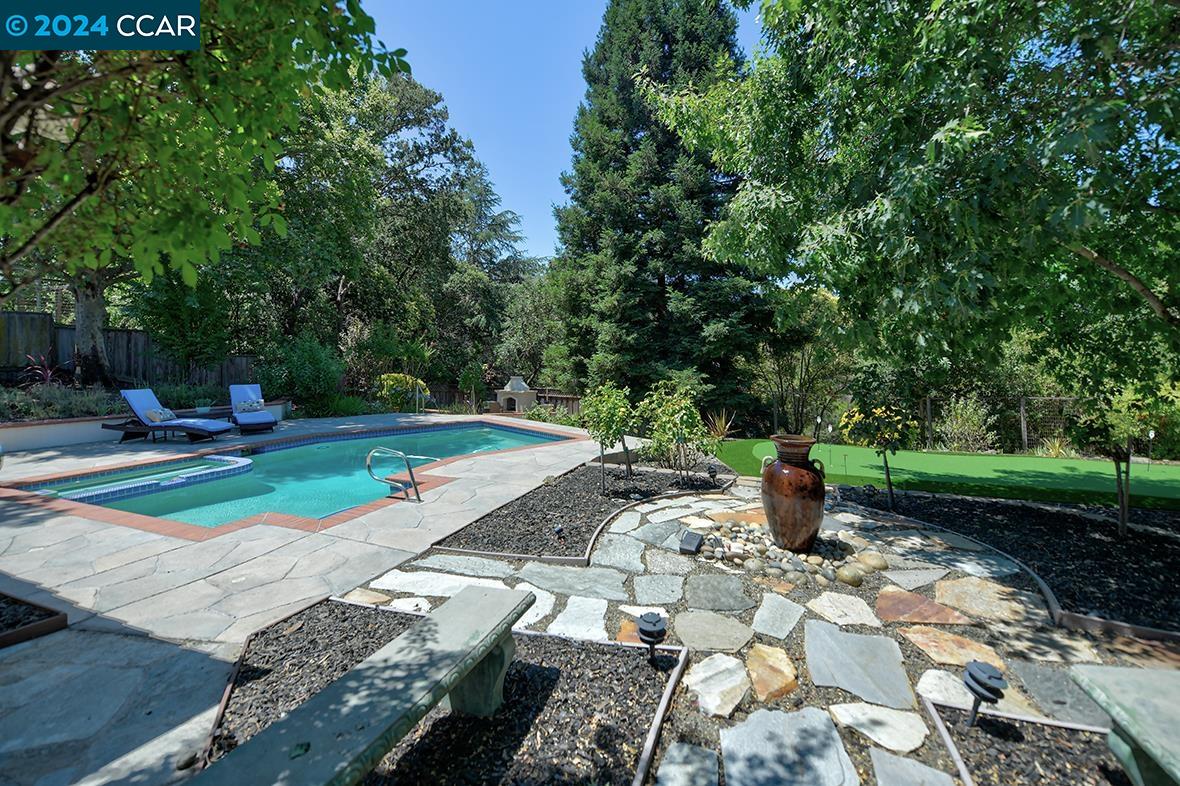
(317, 480)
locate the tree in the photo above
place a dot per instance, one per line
(955, 168)
(883, 428)
(529, 328)
(639, 300)
(190, 323)
(606, 416)
(488, 237)
(802, 366)
(675, 432)
(141, 154)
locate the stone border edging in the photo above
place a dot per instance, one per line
(584, 560)
(1070, 620)
(34, 630)
(642, 766)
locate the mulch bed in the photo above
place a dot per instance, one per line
(1089, 567)
(574, 712)
(1014, 753)
(16, 614)
(572, 502)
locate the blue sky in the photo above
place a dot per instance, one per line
(511, 76)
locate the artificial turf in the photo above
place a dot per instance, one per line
(990, 475)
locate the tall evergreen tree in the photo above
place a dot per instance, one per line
(640, 301)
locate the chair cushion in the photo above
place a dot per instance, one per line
(250, 406)
(199, 424)
(263, 418)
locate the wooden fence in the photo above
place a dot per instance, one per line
(132, 353)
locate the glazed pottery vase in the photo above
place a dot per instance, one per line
(793, 493)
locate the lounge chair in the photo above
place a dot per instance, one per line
(151, 418)
(248, 412)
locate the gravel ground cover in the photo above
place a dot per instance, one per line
(1089, 567)
(16, 614)
(574, 712)
(1013, 753)
(573, 502)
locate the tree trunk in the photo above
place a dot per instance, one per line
(774, 417)
(91, 367)
(888, 477)
(602, 468)
(626, 454)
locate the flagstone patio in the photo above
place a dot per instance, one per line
(801, 677)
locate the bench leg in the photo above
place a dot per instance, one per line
(481, 692)
(1140, 767)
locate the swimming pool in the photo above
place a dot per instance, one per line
(312, 480)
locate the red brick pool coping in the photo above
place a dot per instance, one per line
(12, 491)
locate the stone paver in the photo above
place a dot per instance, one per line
(654, 589)
(897, 730)
(716, 593)
(1059, 695)
(897, 605)
(687, 765)
(951, 649)
(981, 564)
(668, 514)
(912, 579)
(719, 683)
(618, 551)
(582, 618)
(869, 666)
(433, 585)
(639, 611)
(773, 748)
(899, 771)
(942, 687)
(76, 702)
(660, 561)
(657, 533)
(985, 599)
(772, 673)
(605, 583)
(368, 597)
(468, 566)
(626, 522)
(777, 616)
(539, 610)
(705, 630)
(844, 609)
(412, 605)
(1052, 645)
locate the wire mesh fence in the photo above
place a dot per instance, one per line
(1008, 425)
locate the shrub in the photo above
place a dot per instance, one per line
(303, 369)
(720, 424)
(189, 396)
(606, 413)
(48, 402)
(966, 426)
(547, 413)
(401, 392)
(341, 406)
(1056, 447)
(676, 435)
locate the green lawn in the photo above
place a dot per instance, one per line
(1016, 477)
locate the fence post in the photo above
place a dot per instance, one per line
(1023, 425)
(929, 427)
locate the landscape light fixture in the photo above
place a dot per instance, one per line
(558, 529)
(691, 542)
(653, 629)
(712, 470)
(985, 683)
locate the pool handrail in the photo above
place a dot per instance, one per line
(380, 450)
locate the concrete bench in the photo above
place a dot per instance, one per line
(458, 654)
(1144, 709)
